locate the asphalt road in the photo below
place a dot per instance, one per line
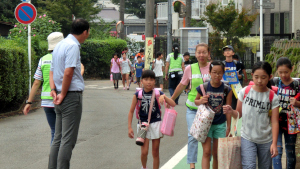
(102, 142)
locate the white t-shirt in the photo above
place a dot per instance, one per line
(256, 124)
(158, 64)
(125, 65)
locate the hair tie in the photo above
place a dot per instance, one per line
(211, 65)
(176, 48)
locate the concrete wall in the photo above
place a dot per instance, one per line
(296, 16)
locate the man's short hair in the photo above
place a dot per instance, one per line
(79, 26)
(142, 50)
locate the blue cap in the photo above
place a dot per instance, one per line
(228, 47)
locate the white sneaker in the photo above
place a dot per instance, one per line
(143, 167)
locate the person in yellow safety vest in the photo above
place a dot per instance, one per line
(195, 74)
(42, 75)
(175, 67)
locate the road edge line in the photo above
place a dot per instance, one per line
(175, 159)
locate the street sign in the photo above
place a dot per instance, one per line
(120, 26)
(25, 0)
(25, 13)
(267, 4)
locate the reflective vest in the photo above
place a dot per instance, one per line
(175, 65)
(46, 64)
(195, 82)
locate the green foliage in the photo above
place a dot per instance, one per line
(97, 54)
(177, 5)
(197, 23)
(62, 10)
(229, 21)
(216, 43)
(41, 27)
(136, 7)
(14, 68)
(101, 29)
(7, 8)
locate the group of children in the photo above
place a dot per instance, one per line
(261, 133)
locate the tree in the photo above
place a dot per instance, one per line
(229, 21)
(230, 24)
(7, 8)
(62, 10)
(136, 7)
(197, 23)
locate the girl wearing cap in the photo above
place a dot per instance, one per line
(42, 75)
(175, 67)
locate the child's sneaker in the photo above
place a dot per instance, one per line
(135, 82)
(127, 88)
(144, 168)
(124, 88)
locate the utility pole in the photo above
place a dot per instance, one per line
(149, 27)
(169, 27)
(149, 32)
(188, 13)
(122, 9)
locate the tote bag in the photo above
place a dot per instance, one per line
(202, 121)
(229, 149)
(169, 120)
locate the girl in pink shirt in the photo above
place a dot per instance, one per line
(115, 70)
(195, 74)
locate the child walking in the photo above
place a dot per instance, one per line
(231, 64)
(154, 134)
(287, 90)
(259, 132)
(217, 95)
(158, 68)
(115, 70)
(125, 69)
(139, 68)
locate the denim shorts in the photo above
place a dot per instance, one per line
(217, 131)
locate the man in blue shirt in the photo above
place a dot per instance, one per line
(67, 86)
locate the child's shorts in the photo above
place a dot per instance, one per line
(138, 79)
(159, 80)
(153, 131)
(217, 131)
(117, 76)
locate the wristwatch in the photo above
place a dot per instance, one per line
(54, 90)
(27, 102)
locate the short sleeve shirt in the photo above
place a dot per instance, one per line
(169, 57)
(158, 64)
(187, 75)
(139, 69)
(39, 76)
(285, 92)
(66, 54)
(115, 68)
(125, 65)
(145, 105)
(256, 124)
(216, 101)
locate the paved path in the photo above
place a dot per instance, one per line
(102, 141)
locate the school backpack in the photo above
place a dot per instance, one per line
(277, 80)
(139, 100)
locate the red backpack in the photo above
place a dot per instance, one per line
(139, 101)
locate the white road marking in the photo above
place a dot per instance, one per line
(175, 159)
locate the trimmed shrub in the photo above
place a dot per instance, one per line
(97, 54)
(14, 74)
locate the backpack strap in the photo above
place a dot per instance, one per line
(296, 86)
(247, 91)
(139, 103)
(226, 89)
(157, 95)
(271, 96)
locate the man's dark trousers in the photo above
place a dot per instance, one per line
(68, 116)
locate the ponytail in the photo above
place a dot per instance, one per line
(176, 50)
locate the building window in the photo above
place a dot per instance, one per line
(225, 2)
(286, 23)
(276, 23)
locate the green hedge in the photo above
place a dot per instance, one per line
(96, 56)
(14, 70)
(14, 73)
